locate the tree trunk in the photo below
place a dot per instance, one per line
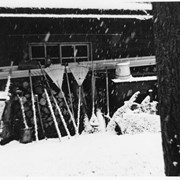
(167, 46)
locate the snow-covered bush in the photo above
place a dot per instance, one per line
(133, 123)
(134, 118)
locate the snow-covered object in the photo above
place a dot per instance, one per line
(62, 118)
(52, 114)
(150, 107)
(114, 121)
(87, 127)
(56, 73)
(23, 112)
(4, 95)
(102, 124)
(132, 123)
(95, 124)
(136, 79)
(146, 100)
(79, 72)
(141, 118)
(94, 121)
(33, 107)
(98, 16)
(81, 4)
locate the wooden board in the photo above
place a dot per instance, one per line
(97, 65)
(135, 79)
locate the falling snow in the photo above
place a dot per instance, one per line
(107, 30)
(175, 163)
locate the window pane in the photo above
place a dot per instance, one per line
(52, 51)
(38, 52)
(67, 51)
(81, 51)
(81, 59)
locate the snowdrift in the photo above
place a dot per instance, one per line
(98, 154)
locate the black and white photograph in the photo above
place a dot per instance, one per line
(89, 88)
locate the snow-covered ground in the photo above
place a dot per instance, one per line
(95, 155)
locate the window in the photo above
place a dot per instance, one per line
(59, 52)
(52, 51)
(74, 53)
(38, 53)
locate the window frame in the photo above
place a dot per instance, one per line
(74, 45)
(60, 45)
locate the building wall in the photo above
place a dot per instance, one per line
(109, 38)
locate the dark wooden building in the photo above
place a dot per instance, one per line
(67, 35)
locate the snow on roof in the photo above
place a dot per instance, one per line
(98, 16)
(81, 4)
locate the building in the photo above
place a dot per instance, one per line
(88, 31)
(34, 32)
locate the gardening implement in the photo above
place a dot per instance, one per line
(56, 74)
(33, 107)
(79, 72)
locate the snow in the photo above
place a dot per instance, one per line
(133, 123)
(87, 4)
(80, 4)
(94, 155)
(124, 16)
(135, 79)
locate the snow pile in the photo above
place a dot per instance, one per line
(98, 154)
(133, 123)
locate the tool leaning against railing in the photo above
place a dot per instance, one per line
(33, 107)
(4, 96)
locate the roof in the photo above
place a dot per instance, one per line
(75, 9)
(80, 4)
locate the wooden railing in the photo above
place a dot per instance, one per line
(97, 65)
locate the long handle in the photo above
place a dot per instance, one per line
(23, 113)
(69, 90)
(93, 89)
(62, 118)
(52, 114)
(107, 92)
(44, 75)
(9, 78)
(40, 117)
(71, 115)
(33, 107)
(6, 95)
(79, 108)
(49, 102)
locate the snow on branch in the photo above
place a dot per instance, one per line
(119, 113)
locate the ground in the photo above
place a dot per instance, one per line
(95, 155)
